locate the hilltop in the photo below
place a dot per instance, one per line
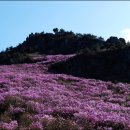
(59, 42)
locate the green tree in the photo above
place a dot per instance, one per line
(55, 30)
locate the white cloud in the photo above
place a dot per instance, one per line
(126, 34)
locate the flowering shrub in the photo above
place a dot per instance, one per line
(31, 98)
(61, 124)
(9, 126)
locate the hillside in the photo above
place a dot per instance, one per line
(110, 65)
(31, 98)
(65, 81)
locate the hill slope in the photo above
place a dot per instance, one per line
(33, 98)
(109, 65)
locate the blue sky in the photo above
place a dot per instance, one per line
(101, 18)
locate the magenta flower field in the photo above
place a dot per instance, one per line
(31, 98)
